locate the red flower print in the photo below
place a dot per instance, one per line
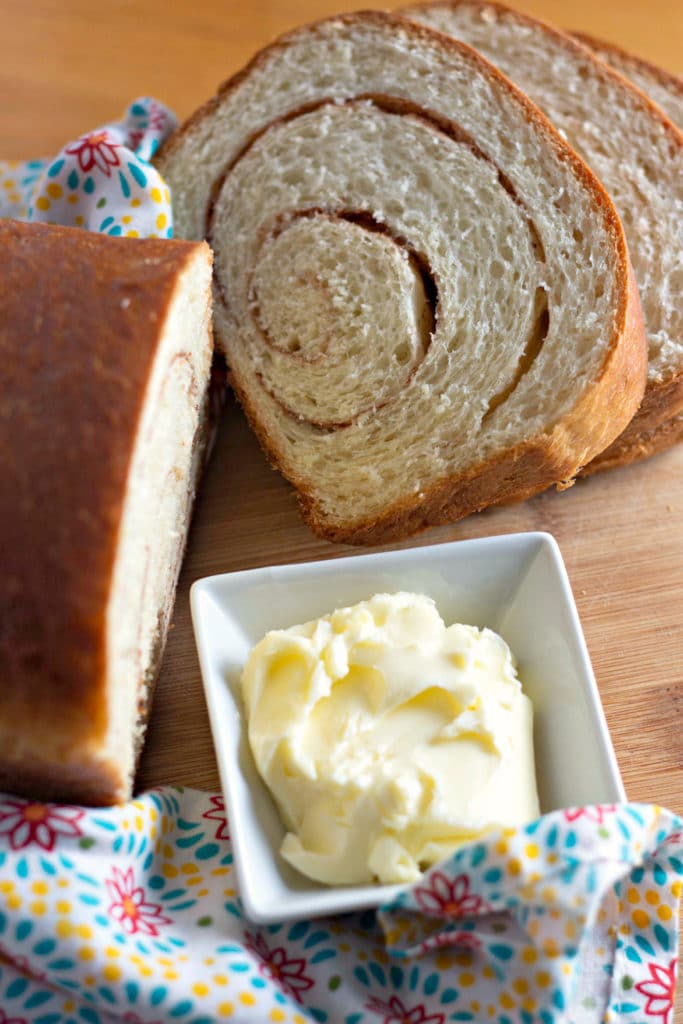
(674, 839)
(39, 824)
(135, 138)
(96, 150)
(395, 1012)
(157, 117)
(596, 814)
(4, 1019)
(275, 964)
(217, 813)
(660, 989)
(129, 908)
(444, 897)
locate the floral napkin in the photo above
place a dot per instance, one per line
(133, 914)
(102, 181)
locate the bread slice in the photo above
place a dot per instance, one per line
(667, 91)
(422, 292)
(661, 86)
(106, 350)
(629, 143)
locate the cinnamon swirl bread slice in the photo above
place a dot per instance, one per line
(636, 152)
(423, 294)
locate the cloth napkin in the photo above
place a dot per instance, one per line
(102, 181)
(133, 913)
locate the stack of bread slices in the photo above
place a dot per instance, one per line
(434, 295)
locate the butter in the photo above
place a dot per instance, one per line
(388, 739)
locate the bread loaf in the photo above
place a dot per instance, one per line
(422, 293)
(106, 348)
(634, 149)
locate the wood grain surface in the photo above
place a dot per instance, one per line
(69, 65)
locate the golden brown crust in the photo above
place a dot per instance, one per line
(80, 319)
(642, 446)
(87, 780)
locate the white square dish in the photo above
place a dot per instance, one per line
(516, 585)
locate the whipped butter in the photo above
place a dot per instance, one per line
(387, 738)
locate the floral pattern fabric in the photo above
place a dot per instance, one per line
(132, 914)
(103, 181)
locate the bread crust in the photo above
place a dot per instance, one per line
(80, 324)
(556, 456)
(642, 446)
(663, 398)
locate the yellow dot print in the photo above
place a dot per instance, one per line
(43, 203)
(156, 195)
(161, 221)
(640, 918)
(54, 190)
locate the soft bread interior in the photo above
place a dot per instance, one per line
(635, 152)
(660, 85)
(478, 277)
(156, 514)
